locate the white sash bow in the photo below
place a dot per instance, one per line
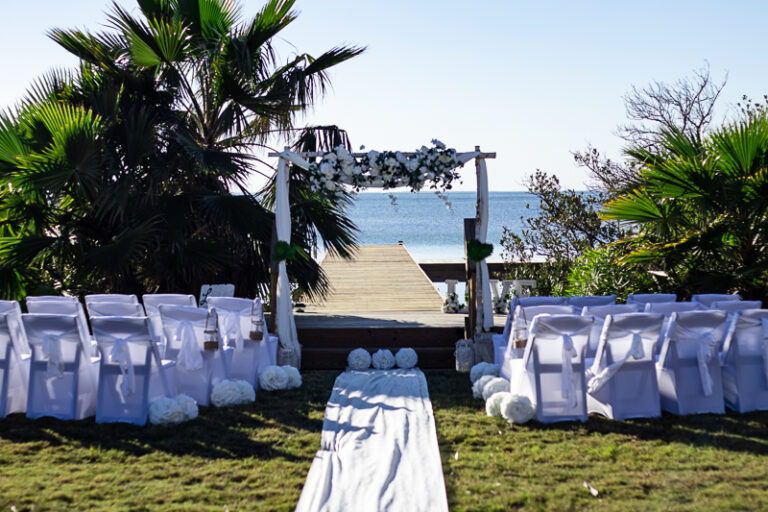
(597, 377)
(52, 351)
(121, 355)
(567, 387)
(190, 358)
(232, 327)
(706, 350)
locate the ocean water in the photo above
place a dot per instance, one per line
(430, 230)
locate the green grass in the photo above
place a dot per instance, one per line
(256, 458)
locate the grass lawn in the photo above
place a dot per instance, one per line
(256, 458)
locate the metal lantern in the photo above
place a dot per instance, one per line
(257, 324)
(211, 332)
(465, 356)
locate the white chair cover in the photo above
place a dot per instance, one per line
(666, 309)
(745, 363)
(706, 299)
(644, 298)
(66, 306)
(553, 367)
(154, 300)
(14, 366)
(735, 306)
(599, 313)
(582, 301)
(131, 374)
(98, 309)
(50, 298)
(112, 297)
(621, 382)
(63, 379)
(688, 369)
(215, 290)
(197, 370)
(500, 341)
(14, 323)
(249, 357)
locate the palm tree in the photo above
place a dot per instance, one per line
(701, 209)
(131, 173)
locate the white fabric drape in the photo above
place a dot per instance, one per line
(484, 294)
(597, 377)
(286, 324)
(190, 357)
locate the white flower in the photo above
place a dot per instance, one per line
(406, 358)
(165, 411)
(495, 385)
(438, 144)
(326, 168)
(359, 359)
(374, 171)
(188, 406)
(477, 387)
(330, 185)
(273, 378)
(247, 391)
(481, 369)
(294, 377)
(400, 157)
(493, 404)
(330, 157)
(517, 409)
(225, 393)
(383, 359)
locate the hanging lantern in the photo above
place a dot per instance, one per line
(257, 324)
(465, 356)
(211, 332)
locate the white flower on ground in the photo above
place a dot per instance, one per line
(188, 406)
(294, 377)
(493, 404)
(481, 369)
(247, 391)
(517, 409)
(406, 358)
(495, 385)
(383, 359)
(225, 393)
(477, 387)
(359, 359)
(165, 411)
(273, 378)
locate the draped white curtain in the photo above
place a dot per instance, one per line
(286, 324)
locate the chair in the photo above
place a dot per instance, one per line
(582, 301)
(62, 380)
(197, 369)
(500, 341)
(599, 313)
(14, 322)
(215, 290)
(666, 309)
(621, 383)
(14, 367)
(644, 298)
(745, 363)
(99, 309)
(112, 297)
(688, 369)
(65, 306)
(735, 306)
(249, 357)
(131, 373)
(706, 299)
(154, 300)
(552, 367)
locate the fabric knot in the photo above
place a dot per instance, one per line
(121, 354)
(566, 382)
(190, 358)
(52, 351)
(233, 329)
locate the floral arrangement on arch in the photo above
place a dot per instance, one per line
(452, 304)
(434, 167)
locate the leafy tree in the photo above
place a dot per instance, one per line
(131, 173)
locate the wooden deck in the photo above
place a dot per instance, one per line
(381, 299)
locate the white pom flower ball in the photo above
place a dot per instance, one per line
(493, 404)
(481, 369)
(477, 387)
(273, 378)
(225, 393)
(294, 377)
(247, 392)
(165, 411)
(493, 386)
(406, 358)
(383, 359)
(517, 409)
(188, 406)
(359, 359)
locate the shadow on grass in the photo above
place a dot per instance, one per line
(229, 433)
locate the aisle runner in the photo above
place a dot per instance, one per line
(378, 449)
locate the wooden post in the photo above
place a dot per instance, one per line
(471, 267)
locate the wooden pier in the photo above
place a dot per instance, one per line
(380, 299)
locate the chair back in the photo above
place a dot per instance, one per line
(152, 301)
(14, 372)
(706, 299)
(749, 335)
(50, 298)
(215, 290)
(112, 297)
(667, 308)
(629, 333)
(524, 315)
(13, 308)
(735, 306)
(98, 309)
(599, 313)
(62, 307)
(644, 298)
(582, 301)
(536, 300)
(691, 333)
(181, 321)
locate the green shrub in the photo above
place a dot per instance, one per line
(598, 272)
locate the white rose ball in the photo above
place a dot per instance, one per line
(383, 359)
(273, 378)
(406, 358)
(477, 387)
(493, 404)
(517, 409)
(294, 377)
(495, 385)
(165, 411)
(188, 406)
(225, 393)
(247, 393)
(359, 359)
(481, 369)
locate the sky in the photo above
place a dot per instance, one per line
(531, 80)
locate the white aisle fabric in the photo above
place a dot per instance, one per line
(379, 447)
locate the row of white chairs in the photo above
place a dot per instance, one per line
(48, 365)
(692, 374)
